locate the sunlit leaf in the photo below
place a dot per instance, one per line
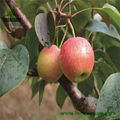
(112, 13)
(98, 26)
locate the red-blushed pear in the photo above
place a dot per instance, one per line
(48, 64)
(76, 59)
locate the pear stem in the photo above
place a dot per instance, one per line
(71, 26)
(63, 37)
(57, 38)
(56, 3)
(83, 10)
(66, 5)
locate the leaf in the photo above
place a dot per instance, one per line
(112, 13)
(38, 86)
(113, 53)
(43, 1)
(35, 87)
(108, 106)
(101, 71)
(41, 29)
(81, 20)
(117, 4)
(98, 26)
(3, 8)
(111, 7)
(105, 68)
(60, 96)
(86, 87)
(3, 45)
(51, 26)
(32, 44)
(13, 68)
(105, 56)
(97, 3)
(99, 79)
(42, 84)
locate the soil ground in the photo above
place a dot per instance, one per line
(17, 105)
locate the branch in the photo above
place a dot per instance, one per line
(17, 32)
(19, 15)
(33, 72)
(82, 103)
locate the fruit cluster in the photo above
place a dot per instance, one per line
(75, 60)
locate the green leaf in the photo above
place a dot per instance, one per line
(35, 87)
(105, 68)
(101, 71)
(97, 3)
(51, 26)
(100, 54)
(81, 20)
(104, 55)
(3, 8)
(86, 86)
(114, 55)
(112, 13)
(13, 68)
(117, 4)
(108, 106)
(32, 44)
(43, 1)
(99, 79)
(98, 26)
(60, 96)
(42, 84)
(3, 45)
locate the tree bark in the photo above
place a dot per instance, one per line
(19, 15)
(81, 103)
